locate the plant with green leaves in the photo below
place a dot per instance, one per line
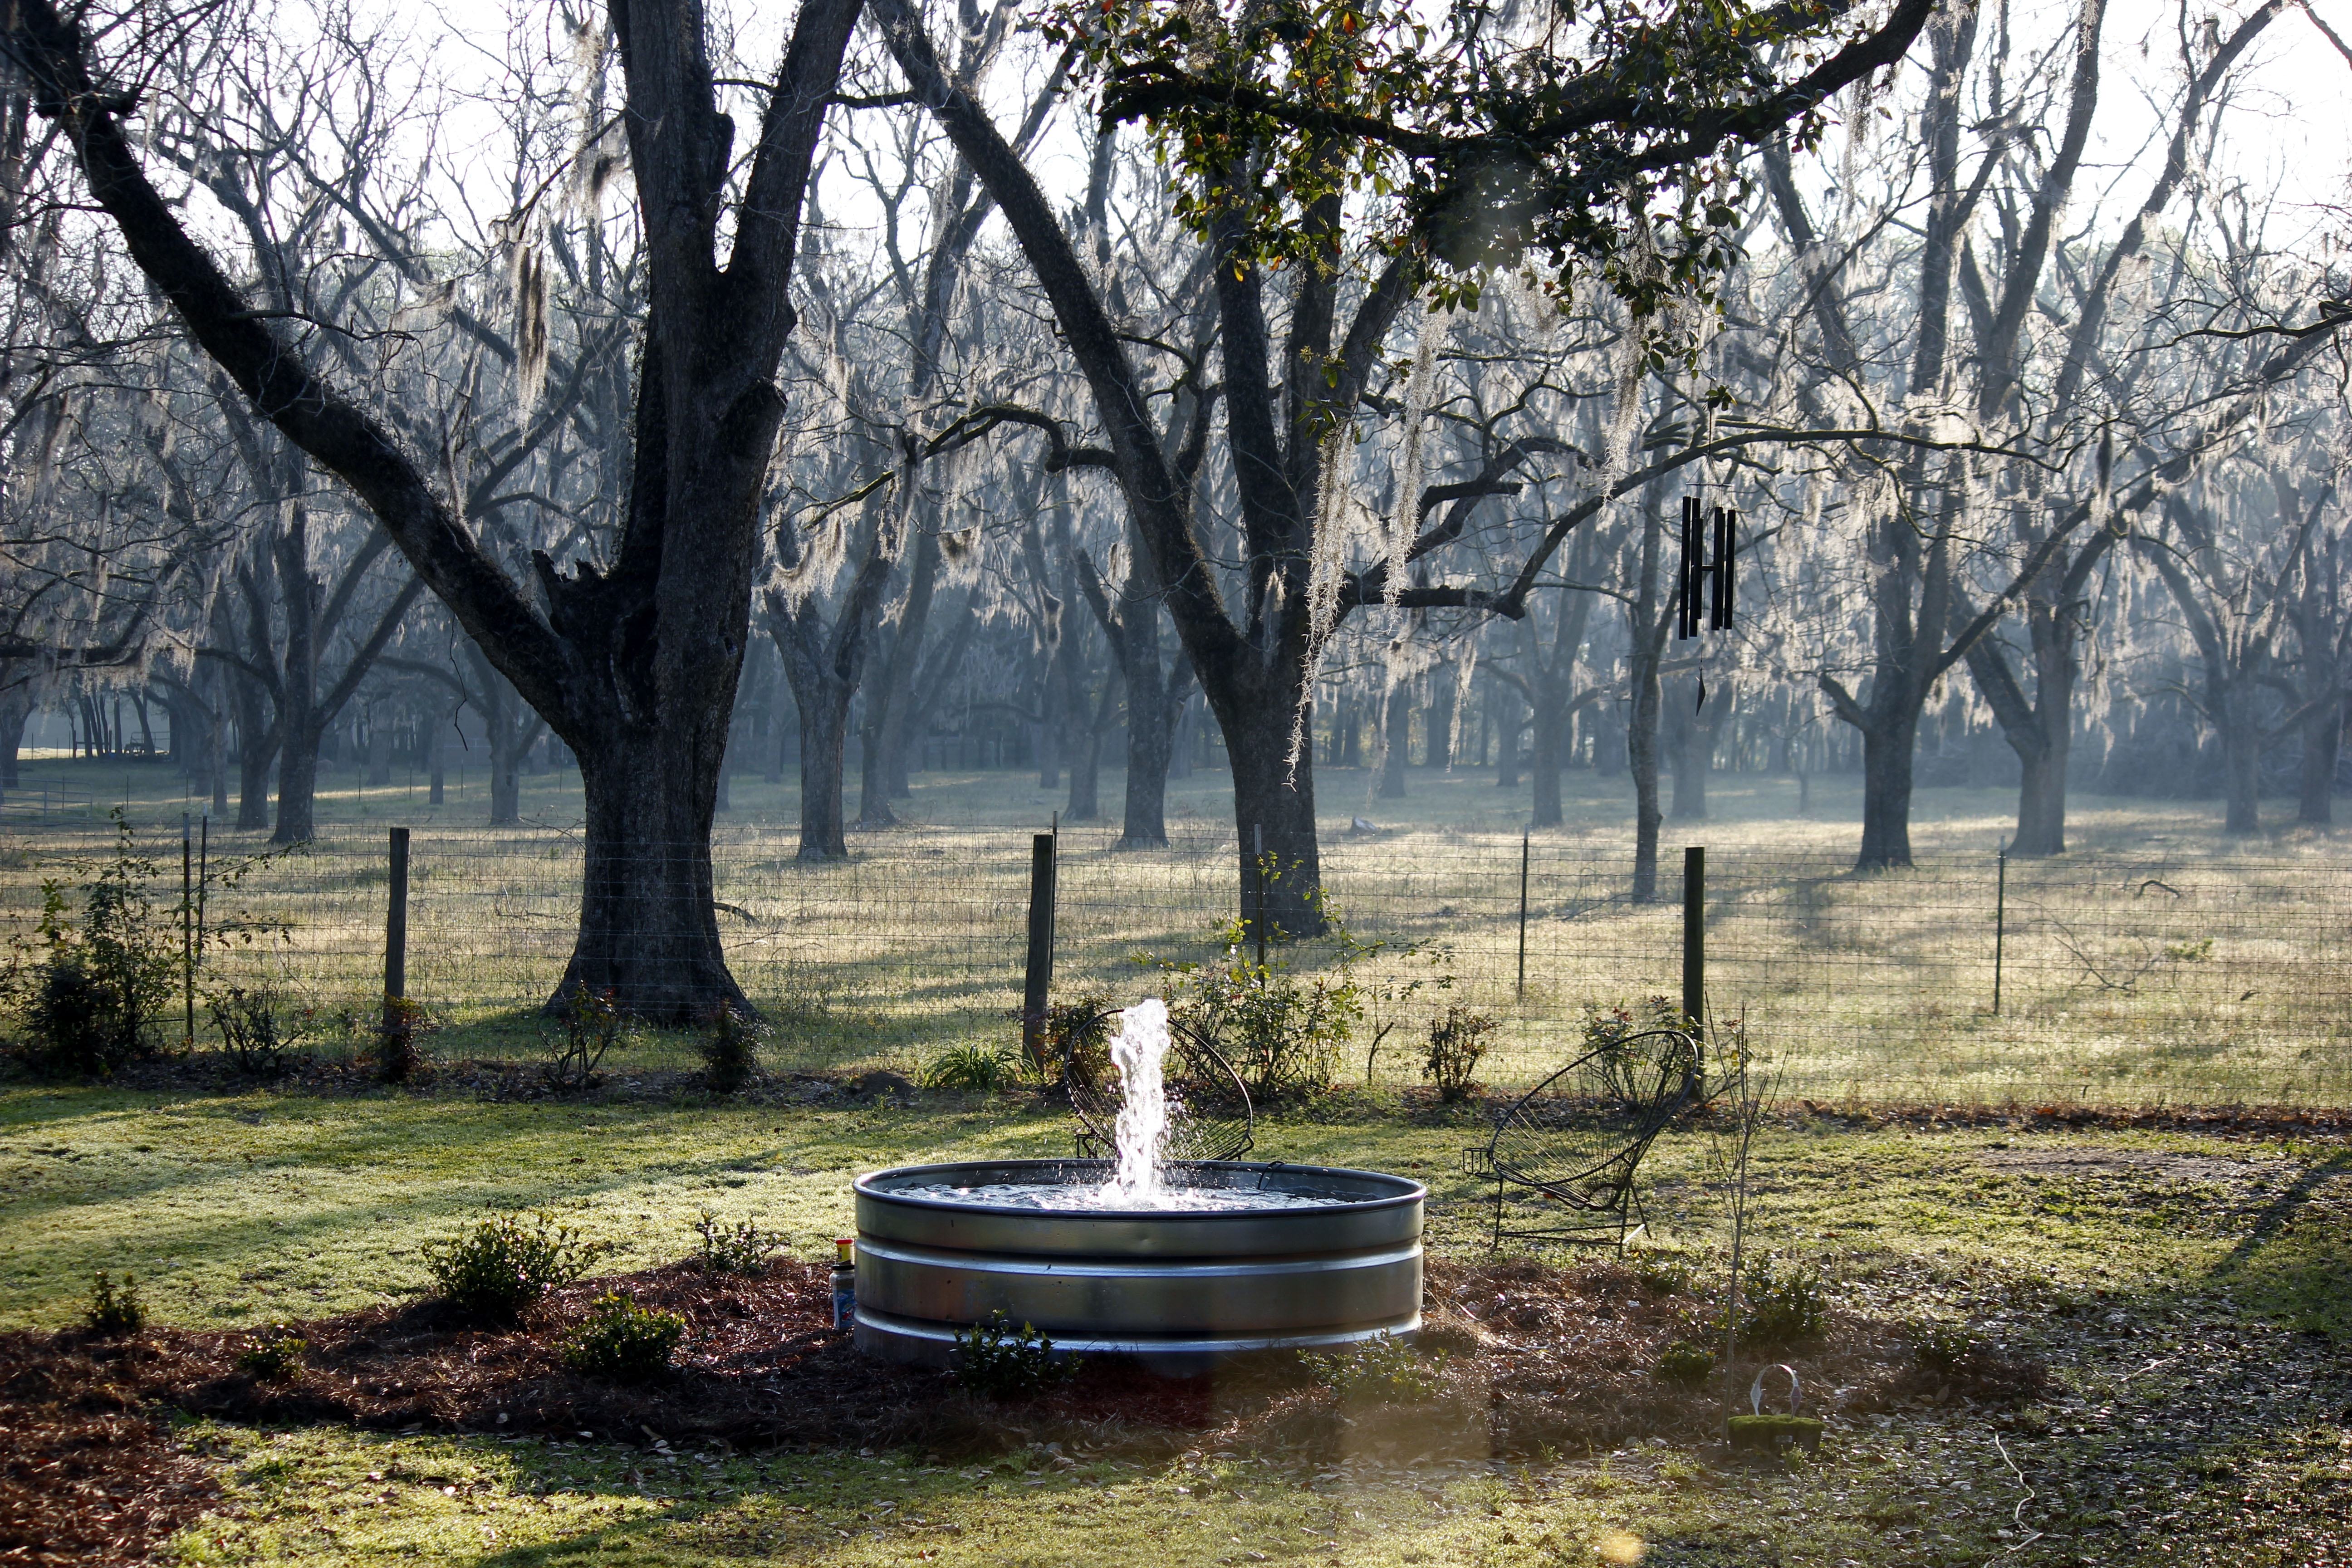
(1283, 1030)
(587, 1024)
(730, 1047)
(261, 1030)
(994, 1358)
(972, 1069)
(1785, 1304)
(1457, 1043)
(276, 1357)
(739, 1248)
(498, 1267)
(622, 1340)
(1685, 1364)
(1384, 1368)
(114, 1310)
(94, 985)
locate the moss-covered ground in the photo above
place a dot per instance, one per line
(2192, 1295)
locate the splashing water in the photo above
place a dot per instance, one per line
(1139, 1050)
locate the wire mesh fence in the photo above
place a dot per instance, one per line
(2188, 978)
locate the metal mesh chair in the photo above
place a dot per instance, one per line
(1572, 1146)
(1209, 1112)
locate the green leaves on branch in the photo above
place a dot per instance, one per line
(1602, 138)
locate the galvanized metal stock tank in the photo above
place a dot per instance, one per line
(1182, 1288)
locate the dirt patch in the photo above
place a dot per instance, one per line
(88, 1474)
(2142, 1163)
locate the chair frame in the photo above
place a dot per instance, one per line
(1604, 1192)
(1097, 1114)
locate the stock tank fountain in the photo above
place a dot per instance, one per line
(1182, 1264)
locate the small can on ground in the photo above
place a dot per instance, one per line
(845, 1283)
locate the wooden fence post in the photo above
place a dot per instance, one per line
(395, 920)
(1695, 935)
(1038, 980)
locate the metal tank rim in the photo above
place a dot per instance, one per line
(1181, 1289)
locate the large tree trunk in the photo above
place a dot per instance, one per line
(14, 710)
(1274, 807)
(298, 789)
(1888, 747)
(648, 930)
(824, 750)
(1437, 749)
(1543, 762)
(2242, 758)
(2322, 742)
(257, 748)
(1642, 760)
(1396, 739)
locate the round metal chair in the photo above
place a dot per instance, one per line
(1576, 1140)
(1209, 1112)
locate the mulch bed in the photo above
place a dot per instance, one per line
(1535, 1359)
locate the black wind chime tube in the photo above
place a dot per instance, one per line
(1686, 607)
(1726, 528)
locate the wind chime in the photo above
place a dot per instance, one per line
(1706, 573)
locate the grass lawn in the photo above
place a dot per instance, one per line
(2191, 1293)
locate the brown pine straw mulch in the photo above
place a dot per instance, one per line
(1534, 1360)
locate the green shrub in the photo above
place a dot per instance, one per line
(497, 1267)
(1282, 1031)
(730, 1047)
(1685, 1364)
(993, 1359)
(1384, 1368)
(261, 1035)
(1076, 1033)
(1940, 1347)
(114, 1311)
(1784, 1307)
(94, 990)
(1456, 1043)
(273, 1360)
(1630, 1057)
(623, 1340)
(587, 1025)
(972, 1069)
(742, 1248)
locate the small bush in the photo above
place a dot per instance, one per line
(743, 1249)
(1632, 1057)
(1685, 1364)
(1076, 1035)
(114, 1311)
(972, 1069)
(399, 1039)
(730, 1047)
(1940, 1347)
(1384, 1368)
(1783, 1308)
(994, 1360)
(587, 1025)
(623, 1340)
(1662, 1274)
(497, 1267)
(273, 1360)
(261, 1035)
(93, 991)
(1456, 1043)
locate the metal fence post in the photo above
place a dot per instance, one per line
(1257, 924)
(1695, 934)
(1038, 978)
(1999, 923)
(188, 927)
(1523, 916)
(395, 920)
